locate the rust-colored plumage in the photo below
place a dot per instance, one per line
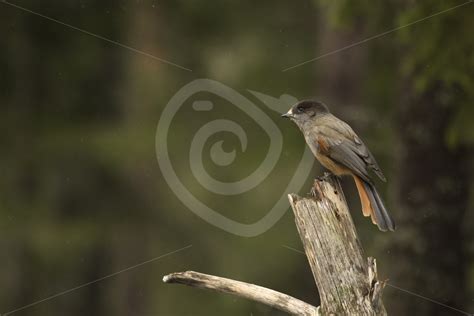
(338, 148)
(367, 209)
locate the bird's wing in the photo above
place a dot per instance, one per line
(370, 160)
(346, 148)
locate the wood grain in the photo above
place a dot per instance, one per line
(347, 282)
(347, 285)
(253, 292)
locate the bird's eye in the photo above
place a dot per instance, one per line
(299, 109)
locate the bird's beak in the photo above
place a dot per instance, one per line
(287, 115)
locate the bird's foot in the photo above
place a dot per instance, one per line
(312, 192)
(325, 176)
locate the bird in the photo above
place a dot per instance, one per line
(338, 148)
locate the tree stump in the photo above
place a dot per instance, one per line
(346, 281)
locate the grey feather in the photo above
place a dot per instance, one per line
(344, 141)
(382, 217)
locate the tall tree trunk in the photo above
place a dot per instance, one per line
(432, 200)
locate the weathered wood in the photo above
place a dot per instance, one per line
(347, 284)
(253, 292)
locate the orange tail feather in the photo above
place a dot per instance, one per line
(367, 209)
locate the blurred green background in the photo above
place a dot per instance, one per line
(82, 195)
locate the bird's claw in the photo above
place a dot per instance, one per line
(325, 176)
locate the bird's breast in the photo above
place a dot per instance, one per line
(321, 150)
(331, 165)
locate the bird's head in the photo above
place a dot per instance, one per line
(305, 111)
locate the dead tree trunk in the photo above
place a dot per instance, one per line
(347, 282)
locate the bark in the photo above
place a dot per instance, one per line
(346, 283)
(432, 193)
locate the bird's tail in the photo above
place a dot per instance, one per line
(373, 206)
